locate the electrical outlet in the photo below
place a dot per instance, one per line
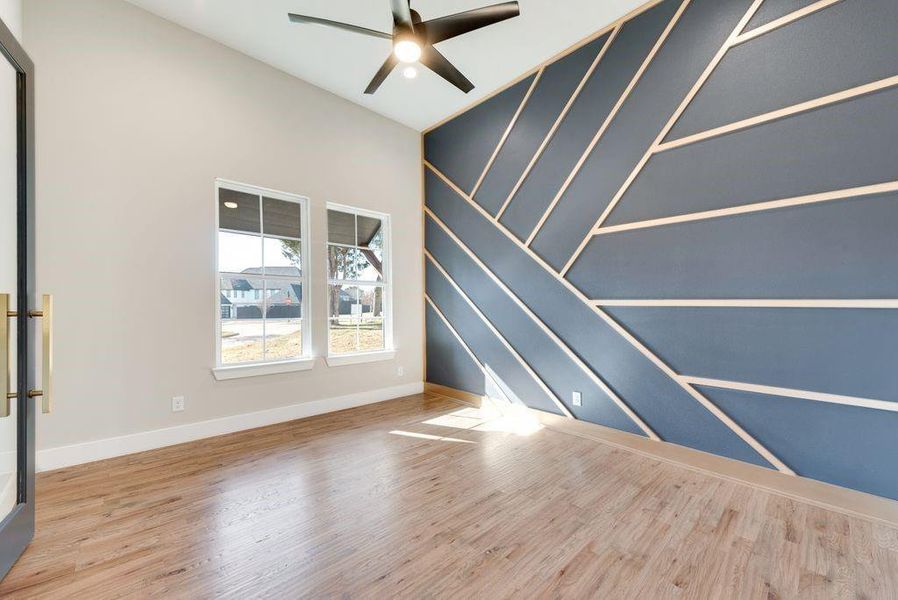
(177, 404)
(578, 399)
(400, 371)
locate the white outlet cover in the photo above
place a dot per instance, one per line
(578, 399)
(177, 403)
(400, 371)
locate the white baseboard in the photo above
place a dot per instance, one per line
(76, 454)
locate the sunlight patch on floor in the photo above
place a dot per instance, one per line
(512, 419)
(427, 436)
(516, 420)
(454, 421)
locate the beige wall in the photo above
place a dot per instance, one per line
(135, 119)
(11, 13)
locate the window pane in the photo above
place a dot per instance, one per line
(283, 257)
(368, 230)
(368, 266)
(241, 320)
(376, 246)
(283, 319)
(239, 253)
(340, 227)
(343, 263)
(343, 318)
(371, 318)
(282, 218)
(353, 264)
(238, 211)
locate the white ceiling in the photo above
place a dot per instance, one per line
(344, 63)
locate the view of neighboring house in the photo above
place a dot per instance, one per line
(249, 298)
(245, 298)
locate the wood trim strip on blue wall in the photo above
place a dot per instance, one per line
(771, 390)
(855, 192)
(867, 88)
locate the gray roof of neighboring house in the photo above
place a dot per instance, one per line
(279, 271)
(279, 297)
(238, 283)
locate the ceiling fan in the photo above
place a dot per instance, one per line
(413, 39)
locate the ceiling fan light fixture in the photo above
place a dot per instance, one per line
(413, 39)
(407, 51)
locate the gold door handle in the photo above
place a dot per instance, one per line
(46, 391)
(5, 315)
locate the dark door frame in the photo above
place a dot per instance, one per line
(17, 529)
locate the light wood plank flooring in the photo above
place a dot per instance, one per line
(424, 498)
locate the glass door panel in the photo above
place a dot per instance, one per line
(8, 288)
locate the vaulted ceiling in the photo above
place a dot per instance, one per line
(343, 62)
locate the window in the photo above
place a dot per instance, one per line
(358, 271)
(262, 276)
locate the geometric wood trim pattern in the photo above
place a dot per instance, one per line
(798, 204)
(730, 42)
(698, 396)
(511, 124)
(557, 56)
(558, 121)
(548, 331)
(784, 20)
(462, 343)
(499, 336)
(598, 136)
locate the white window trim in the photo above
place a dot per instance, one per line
(266, 368)
(252, 369)
(388, 352)
(355, 358)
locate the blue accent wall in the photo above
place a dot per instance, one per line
(830, 249)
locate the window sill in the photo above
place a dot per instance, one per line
(340, 360)
(272, 368)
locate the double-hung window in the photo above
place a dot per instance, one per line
(262, 299)
(358, 271)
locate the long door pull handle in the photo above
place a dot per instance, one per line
(5, 375)
(46, 391)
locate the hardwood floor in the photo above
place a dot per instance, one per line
(424, 498)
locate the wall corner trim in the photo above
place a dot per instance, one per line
(85, 452)
(817, 493)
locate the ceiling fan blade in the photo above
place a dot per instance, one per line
(439, 64)
(444, 28)
(294, 18)
(382, 73)
(402, 14)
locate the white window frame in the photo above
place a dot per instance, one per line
(388, 352)
(265, 367)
